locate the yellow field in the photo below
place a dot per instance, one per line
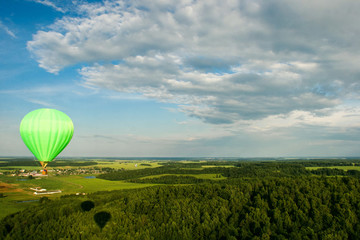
(127, 164)
(209, 166)
(345, 168)
(211, 176)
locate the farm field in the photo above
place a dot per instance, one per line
(127, 164)
(88, 185)
(16, 199)
(18, 195)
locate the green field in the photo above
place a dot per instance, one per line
(9, 204)
(67, 184)
(74, 184)
(19, 191)
(82, 184)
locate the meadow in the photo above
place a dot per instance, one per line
(18, 195)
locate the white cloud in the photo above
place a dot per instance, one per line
(50, 4)
(338, 118)
(7, 30)
(223, 62)
(41, 103)
(43, 90)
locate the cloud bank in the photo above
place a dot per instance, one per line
(224, 62)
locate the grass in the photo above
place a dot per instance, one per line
(9, 203)
(82, 184)
(13, 193)
(20, 190)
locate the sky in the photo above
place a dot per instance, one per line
(206, 78)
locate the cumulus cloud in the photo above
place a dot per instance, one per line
(336, 118)
(223, 62)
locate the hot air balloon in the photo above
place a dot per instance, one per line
(46, 132)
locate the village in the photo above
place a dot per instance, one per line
(55, 171)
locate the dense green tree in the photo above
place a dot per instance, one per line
(259, 201)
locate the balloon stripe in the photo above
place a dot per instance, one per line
(38, 134)
(68, 135)
(57, 127)
(31, 136)
(54, 134)
(51, 135)
(46, 135)
(34, 136)
(25, 134)
(67, 125)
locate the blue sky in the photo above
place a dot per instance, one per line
(248, 78)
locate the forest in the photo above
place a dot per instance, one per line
(253, 200)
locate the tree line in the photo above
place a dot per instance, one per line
(247, 169)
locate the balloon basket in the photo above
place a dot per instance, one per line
(44, 164)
